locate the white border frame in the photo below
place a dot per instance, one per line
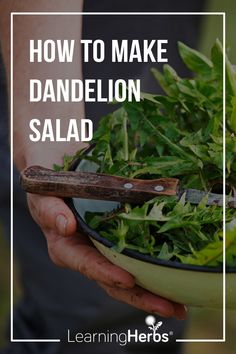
(221, 340)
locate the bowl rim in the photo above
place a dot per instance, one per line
(135, 254)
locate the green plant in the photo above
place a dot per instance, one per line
(179, 134)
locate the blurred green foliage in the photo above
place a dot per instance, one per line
(213, 26)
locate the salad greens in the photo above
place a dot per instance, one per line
(178, 134)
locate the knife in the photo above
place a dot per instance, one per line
(72, 184)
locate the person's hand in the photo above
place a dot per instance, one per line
(70, 249)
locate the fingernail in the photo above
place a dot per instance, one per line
(181, 315)
(61, 223)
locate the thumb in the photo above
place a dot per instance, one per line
(52, 214)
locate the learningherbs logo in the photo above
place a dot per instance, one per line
(154, 334)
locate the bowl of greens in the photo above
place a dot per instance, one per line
(173, 248)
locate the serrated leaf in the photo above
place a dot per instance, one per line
(195, 60)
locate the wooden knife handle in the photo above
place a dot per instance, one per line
(71, 184)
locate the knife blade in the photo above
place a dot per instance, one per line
(194, 196)
(72, 184)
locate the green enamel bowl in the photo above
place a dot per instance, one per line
(197, 286)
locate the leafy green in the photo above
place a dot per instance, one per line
(179, 134)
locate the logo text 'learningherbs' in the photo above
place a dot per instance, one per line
(123, 338)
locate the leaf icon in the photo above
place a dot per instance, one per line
(158, 325)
